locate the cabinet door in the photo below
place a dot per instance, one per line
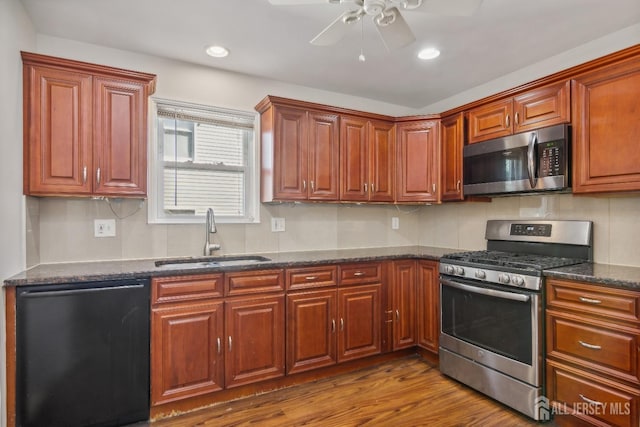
(57, 140)
(120, 138)
(186, 351)
(381, 137)
(354, 172)
(255, 340)
(324, 151)
(542, 107)
(428, 298)
(359, 310)
(290, 170)
(452, 137)
(606, 129)
(311, 330)
(418, 162)
(492, 120)
(404, 304)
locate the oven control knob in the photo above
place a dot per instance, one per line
(448, 269)
(481, 274)
(460, 271)
(503, 278)
(517, 280)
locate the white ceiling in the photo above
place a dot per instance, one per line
(273, 41)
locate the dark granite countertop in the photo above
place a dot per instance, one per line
(126, 269)
(618, 276)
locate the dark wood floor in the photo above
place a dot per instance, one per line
(403, 392)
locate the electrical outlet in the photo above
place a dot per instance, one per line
(104, 228)
(395, 223)
(277, 224)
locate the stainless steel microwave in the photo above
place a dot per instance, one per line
(527, 162)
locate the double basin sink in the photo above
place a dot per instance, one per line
(210, 262)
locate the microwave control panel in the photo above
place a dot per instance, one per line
(551, 158)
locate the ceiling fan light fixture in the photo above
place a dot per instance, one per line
(428, 53)
(217, 51)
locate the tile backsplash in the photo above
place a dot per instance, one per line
(61, 230)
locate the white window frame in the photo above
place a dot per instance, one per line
(155, 211)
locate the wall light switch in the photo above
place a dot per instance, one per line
(277, 224)
(395, 223)
(104, 228)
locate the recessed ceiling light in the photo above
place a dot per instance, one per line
(217, 51)
(429, 53)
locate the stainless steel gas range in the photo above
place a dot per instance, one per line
(492, 323)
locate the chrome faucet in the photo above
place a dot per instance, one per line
(210, 224)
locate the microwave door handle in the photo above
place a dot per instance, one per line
(486, 291)
(531, 159)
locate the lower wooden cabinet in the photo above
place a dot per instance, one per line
(404, 304)
(359, 312)
(593, 365)
(428, 305)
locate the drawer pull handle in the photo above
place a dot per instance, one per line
(590, 300)
(311, 278)
(358, 273)
(591, 346)
(590, 401)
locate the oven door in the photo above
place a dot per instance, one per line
(494, 326)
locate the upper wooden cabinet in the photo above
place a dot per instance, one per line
(418, 166)
(299, 154)
(606, 129)
(451, 144)
(541, 107)
(85, 128)
(367, 154)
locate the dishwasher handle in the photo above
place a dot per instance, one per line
(35, 293)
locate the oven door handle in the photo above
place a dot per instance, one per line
(485, 291)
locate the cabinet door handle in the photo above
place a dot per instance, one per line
(365, 187)
(590, 346)
(341, 324)
(304, 184)
(311, 278)
(397, 314)
(372, 188)
(517, 118)
(591, 401)
(458, 186)
(507, 121)
(358, 273)
(84, 175)
(333, 326)
(313, 187)
(230, 343)
(98, 176)
(433, 187)
(219, 344)
(590, 300)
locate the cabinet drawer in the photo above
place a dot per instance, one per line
(251, 282)
(353, 274)
(590, 398)
(608, 348)
(312, 277)
(185, 288)
(600, 300)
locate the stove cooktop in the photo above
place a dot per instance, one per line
(510, 260)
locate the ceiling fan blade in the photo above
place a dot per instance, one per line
(450, 7)
(397, 34)
(296, 2)
(334, 32)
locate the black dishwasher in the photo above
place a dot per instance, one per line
(82, 354)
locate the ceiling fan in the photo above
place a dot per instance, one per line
(391, 26)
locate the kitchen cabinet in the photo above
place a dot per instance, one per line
(359, 310)
(541, 107)
(606, 129)
(428, 305)
(418, 167)
(299, 154)
(187, 330)
(452, 142)
(85, 128)
(367, 159)
(404, 303)
(593, 336)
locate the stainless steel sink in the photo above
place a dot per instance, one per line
(211, 262)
